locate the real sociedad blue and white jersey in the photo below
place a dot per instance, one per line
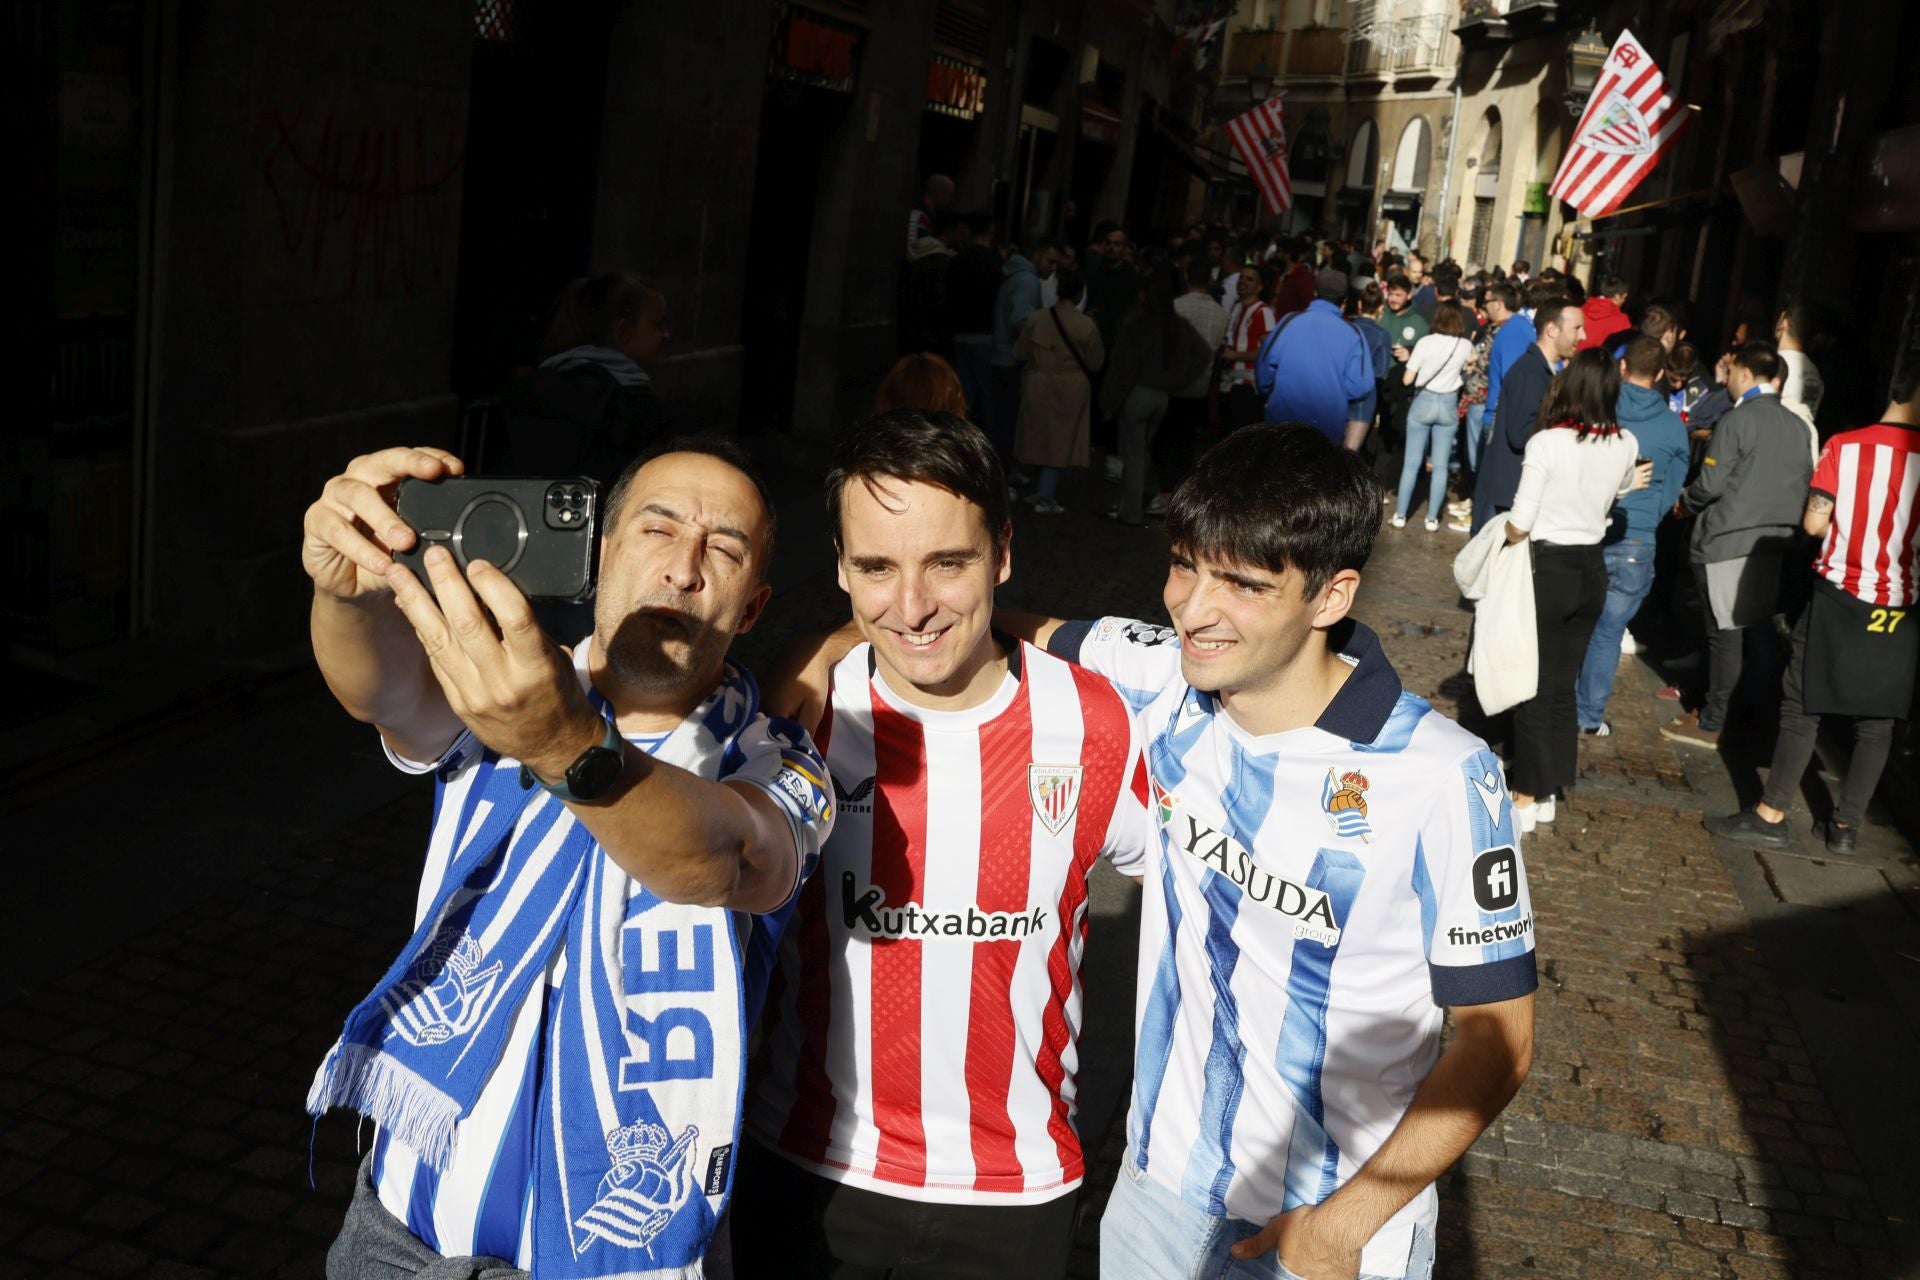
(1316, 898)
(481, 1203)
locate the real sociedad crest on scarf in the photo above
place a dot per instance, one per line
(1055, 790)
(650, 1180)
(1345, 803)
(445, 992)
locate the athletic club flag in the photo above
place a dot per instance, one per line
(1630, 122)
(1260, 136)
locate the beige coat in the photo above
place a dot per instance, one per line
(1055, 400)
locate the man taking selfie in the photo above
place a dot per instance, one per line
(554, 1060)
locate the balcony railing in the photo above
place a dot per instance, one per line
(1403, 45)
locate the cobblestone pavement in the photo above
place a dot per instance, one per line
(151, 1091)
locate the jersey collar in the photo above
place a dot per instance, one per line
(1360, 710)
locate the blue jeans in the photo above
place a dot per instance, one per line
(1431, 421)
(1476, 428)
(1629, 579)
(1148, 1233)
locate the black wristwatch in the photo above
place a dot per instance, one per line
(593, 772)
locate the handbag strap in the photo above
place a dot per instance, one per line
(1054, 313)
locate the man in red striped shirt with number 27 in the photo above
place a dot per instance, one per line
(1854, 647)
(911, 1109)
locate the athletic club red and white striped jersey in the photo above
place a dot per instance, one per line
(1869, 550)
(922, 1024)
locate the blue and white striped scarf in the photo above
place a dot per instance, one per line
(643, 1083)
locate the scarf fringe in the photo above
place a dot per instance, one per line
(379, 1086)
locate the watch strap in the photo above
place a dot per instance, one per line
(610, 741)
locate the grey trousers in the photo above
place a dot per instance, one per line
(375, 1245)
(1140, 420)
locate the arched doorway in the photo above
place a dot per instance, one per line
(1356, 193)
(1407, 184)
(1485, 164)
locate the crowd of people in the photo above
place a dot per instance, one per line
(1452, 381)
(707, 980)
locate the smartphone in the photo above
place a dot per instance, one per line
(539, 532)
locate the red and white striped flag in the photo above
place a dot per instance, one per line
(1631, 121)
(1260, 136)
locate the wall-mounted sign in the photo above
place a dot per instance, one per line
(955, 89)
(1099, 124)
(811, 48)
(1535, 200)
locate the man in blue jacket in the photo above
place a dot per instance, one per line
(1313, 364)
(1642, 409)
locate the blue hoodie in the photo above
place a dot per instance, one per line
(1510, 342)
(1644, 411)
(1019, 298)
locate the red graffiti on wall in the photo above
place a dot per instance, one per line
(371, 210)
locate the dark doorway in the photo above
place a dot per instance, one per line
(533, 153)
(795, 123)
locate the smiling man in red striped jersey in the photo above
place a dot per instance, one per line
(913, 1099)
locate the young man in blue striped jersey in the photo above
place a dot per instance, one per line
(555, 1059)
(1336, 868)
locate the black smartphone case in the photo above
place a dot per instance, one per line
(540, 532)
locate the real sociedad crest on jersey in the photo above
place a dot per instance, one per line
(1055, 789)
(1345, 803)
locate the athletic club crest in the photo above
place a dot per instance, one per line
(1055, 790)
(1345, 803)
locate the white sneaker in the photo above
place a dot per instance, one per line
(1399, 522)
(1114, 468)
(1433, 526)
(1543, 810)
(1627, 644)
(1525, 816)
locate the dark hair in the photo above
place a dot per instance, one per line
(1544, 298)
(727, 451)
(1612, 286)
(979, 222)
(1576, 293)
(1761, 359)
(1446, 280)
(1645, 357)
(1659, 321)
(944, 221)
(1802, 321)
(1398, 281)
(940, 449)
(1044, 243)
(1503, 293)
(1522, 267)
(1586, 392)
(1682, 361)
(1278, 496)
(1906, 378)
(589, 311)
(1068, 285)
(1199, 274)
(1449, 320)
(1372, 298)
(921, 380)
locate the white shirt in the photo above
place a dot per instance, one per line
(1567, 485)
(1314, 900)
(1438, 363)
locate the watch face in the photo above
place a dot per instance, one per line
(594, 773)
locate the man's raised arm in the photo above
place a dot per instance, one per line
(366, 649)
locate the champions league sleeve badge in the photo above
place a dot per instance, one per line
(1345, 804)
